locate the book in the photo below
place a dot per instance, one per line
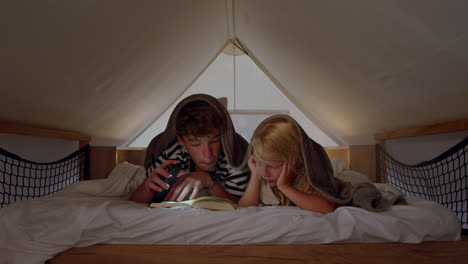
(204, 202)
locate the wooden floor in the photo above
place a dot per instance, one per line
(430, 252)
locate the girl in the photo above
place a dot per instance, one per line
(279, 175)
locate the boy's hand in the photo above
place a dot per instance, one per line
(154, 182)
(189, 184)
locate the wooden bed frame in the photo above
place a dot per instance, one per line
(428, 252)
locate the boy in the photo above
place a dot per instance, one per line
(201, 138)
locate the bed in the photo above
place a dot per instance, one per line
(92, 222)
(435, 252)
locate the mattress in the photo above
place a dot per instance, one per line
(98, 212)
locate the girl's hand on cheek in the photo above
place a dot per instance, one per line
(252, 163)
(285, 178)
(253, 168)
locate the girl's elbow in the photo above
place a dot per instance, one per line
(328, 209)
(324, 208)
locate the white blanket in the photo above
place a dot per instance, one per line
(97, 211)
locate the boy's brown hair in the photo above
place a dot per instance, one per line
(198, 118)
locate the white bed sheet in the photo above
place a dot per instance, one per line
(97, 211)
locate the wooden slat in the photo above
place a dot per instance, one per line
(338, 152)
(440, 128)
(131, 155)
(385, 253)
(28, 130)
(102, 161)
(362, 159)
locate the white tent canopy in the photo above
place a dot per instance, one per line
(110, 68)
(250, 94)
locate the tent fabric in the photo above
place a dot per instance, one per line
(110, 68)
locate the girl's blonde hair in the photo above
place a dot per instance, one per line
(278, 140)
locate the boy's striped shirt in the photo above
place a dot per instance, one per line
(232, 179)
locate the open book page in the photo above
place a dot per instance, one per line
(204, 202)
